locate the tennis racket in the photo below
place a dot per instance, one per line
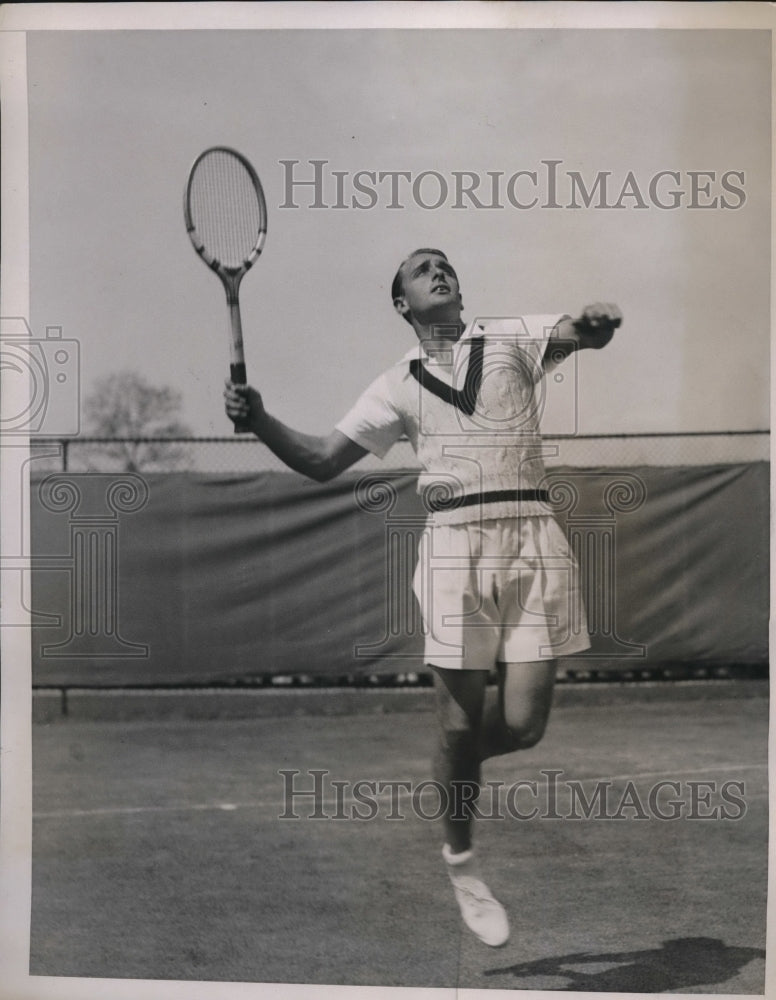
(226, 219)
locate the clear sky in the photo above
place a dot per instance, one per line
(117, 117)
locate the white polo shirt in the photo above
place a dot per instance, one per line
(471, 414)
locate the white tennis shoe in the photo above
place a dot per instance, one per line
(481, 911)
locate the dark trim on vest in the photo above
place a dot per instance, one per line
(492, 496)
(464, 399)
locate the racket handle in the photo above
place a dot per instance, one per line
(238, 376)
(237, 361)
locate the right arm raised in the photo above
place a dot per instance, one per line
(319, 458)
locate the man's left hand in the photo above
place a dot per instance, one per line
(596, 326)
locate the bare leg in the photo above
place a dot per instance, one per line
(459, 701)
(460, 697)
(515, 715)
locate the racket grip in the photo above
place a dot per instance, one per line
(238, 376)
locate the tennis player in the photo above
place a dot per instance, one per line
(496, 581)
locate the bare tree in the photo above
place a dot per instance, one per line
(125, 405)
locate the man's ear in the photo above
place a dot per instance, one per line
(400, 305)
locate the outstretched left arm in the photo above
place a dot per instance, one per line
(594, 328)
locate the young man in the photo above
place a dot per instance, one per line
(496, 581)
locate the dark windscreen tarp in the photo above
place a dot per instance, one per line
(218, 577)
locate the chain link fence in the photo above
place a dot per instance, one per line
(243, 453)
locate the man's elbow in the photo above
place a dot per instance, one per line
(323, 467)
(321, 470)
(332, 455)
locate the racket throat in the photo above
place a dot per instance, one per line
(231, 279)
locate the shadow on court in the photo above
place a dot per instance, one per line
(159, 852)
(678, 964)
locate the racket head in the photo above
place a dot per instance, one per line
(225, 211)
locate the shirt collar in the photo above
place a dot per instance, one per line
(418, 351)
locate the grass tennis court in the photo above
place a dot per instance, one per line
(158, 853)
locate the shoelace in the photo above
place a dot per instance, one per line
(474, 887)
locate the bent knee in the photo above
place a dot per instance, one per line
(528, 738)
(525, 733)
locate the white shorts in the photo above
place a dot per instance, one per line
(503, 591)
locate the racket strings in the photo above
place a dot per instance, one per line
(225, 208)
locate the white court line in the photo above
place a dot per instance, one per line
(679, 770)
(332, 803)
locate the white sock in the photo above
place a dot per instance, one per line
(457, 859)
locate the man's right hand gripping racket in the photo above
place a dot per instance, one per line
(226, 219)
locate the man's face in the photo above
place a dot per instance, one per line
(430, 290)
